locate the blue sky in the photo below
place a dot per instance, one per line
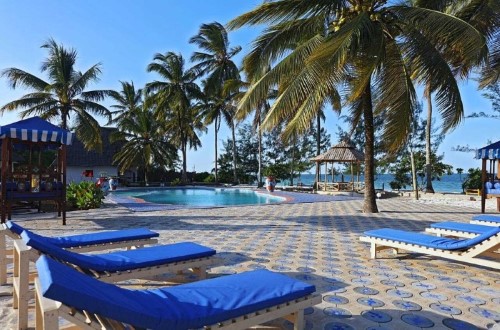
(123, 35)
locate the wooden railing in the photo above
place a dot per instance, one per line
(341, 186)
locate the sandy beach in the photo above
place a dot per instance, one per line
(319, 244)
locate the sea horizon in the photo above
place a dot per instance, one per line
(451, 183)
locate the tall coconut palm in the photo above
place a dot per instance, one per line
(172, 98)
(145, 142)
(484, 15)
(128, 101)
(63, 95)
(368, 50)
(237, 88)
(215, 61)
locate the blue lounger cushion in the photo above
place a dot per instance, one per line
(431, 241)
(459, 226)
(121, 260)
(101, 237)
(186, 306)
(485, 217)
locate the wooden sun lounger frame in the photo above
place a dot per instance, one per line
(6, 253)
(48, 312)
(472, 255)
(450, 233)
(24, 254)
(485, 223)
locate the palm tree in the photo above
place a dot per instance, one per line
(215, 61)
(368, 51)
(145, 143)
(172, 98)
(63, 96)
(129, 100)
(484, 15)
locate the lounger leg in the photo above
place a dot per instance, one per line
(3, 259)
(299, 320)
(373, 251)
(46, 317)
(21, 284)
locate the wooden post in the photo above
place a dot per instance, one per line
(5, 164)
(483, 185)
(63, 174)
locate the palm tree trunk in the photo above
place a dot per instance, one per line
(64, 119)
(259, 171)
(414, 174)
(235, 176)
(293, 161)
(428, 127)
(216, 130)
(318, 143)
(370, 203)
(184, 163)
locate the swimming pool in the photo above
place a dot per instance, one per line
(199, 197)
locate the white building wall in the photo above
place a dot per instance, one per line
(74, 173)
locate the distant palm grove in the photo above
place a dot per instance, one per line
(360, 59)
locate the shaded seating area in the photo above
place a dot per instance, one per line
(340, 153)
(490, 181)
(478, 250)
(229, 302)
(33, 166)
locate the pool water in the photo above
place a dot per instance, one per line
(200, 196)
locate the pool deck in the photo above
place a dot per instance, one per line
(318, 242)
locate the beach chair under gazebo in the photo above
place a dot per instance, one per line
(340, 153)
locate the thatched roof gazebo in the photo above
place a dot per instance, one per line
(343, 152)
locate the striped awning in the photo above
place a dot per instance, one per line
(491, 151)
(36, 130)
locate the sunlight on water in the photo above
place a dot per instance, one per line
(200, 196)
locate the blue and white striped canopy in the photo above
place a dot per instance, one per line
(491, 151)
(36, 130)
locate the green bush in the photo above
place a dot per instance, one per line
(84, 195)
(175, 182)
(473, 179)
(209, 179)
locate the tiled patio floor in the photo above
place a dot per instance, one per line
(318, 243)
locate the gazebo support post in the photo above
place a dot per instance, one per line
(5, 165)
(484, 178)
(326, 175)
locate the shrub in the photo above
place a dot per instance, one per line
(84, 195)
(209, 179)
(473, 179)
(175, 182)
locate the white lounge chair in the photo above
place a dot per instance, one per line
(109, 267)
(229, 302)
(472, 250)
(486, 219)
(97, 241)
(457, 229)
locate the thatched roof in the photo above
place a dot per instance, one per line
(342, 153)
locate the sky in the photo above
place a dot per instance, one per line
(124, 35)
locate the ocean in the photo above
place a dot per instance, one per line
(449, 183)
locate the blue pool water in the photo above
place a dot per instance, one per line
(199, 196)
